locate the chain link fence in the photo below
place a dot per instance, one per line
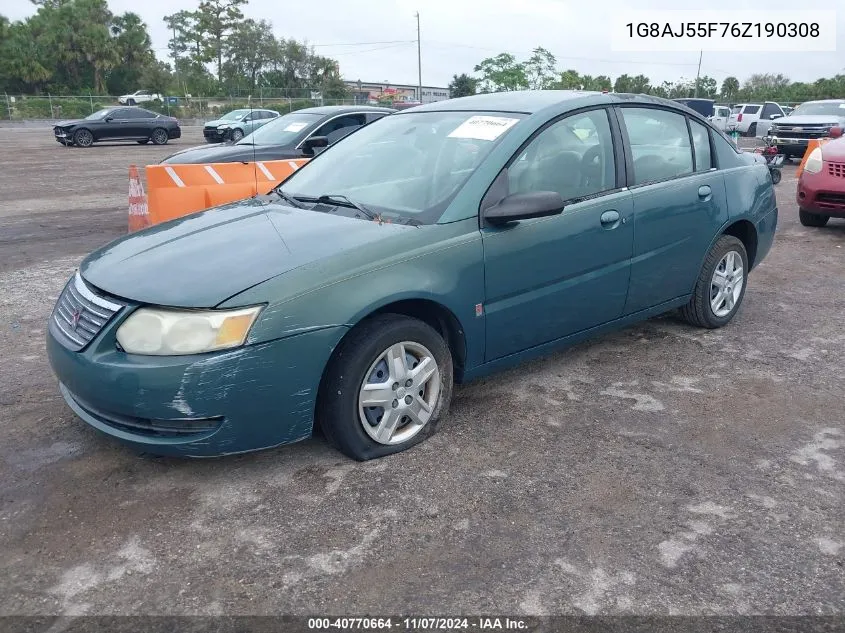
(16, 107)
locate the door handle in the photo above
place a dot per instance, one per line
(610, 219)
(704, 192)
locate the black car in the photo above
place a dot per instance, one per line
(295, 135)
(118, 123)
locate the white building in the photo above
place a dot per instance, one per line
(365, 91)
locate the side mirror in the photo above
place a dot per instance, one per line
(776, 116)
(315, 141)
(109, 119)
(524, 206)
(835, 132)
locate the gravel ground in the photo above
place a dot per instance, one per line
(659, 470)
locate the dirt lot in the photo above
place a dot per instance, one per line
(660, 470)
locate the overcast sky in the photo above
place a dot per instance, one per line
(457, 34)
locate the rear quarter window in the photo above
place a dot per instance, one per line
(751, 109)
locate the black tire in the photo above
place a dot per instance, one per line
(143, 141)
(159, 136)
(752, 129)
(698, 311)
(337, 411)
(812, 219)
(130, 102)
(776, 176)
(237, 135)
(83, 138)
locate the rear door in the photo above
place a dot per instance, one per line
(679, 202)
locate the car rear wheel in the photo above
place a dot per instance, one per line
(83, 138)
(752, 129)
(237, 135)
(776, 176)
(386, 388)
(159, 136)
(812, 219)
(720, 288)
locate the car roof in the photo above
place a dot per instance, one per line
(532, 101)
(824, 101)
(341, 109)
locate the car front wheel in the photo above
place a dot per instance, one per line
(812, 219)
(237, 135)
(721, 284)
(386, 388)
(83, 138)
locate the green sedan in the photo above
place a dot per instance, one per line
(429, 248)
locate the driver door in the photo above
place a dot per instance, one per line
(547, 278)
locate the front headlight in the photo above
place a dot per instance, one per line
(814, 161)
(162, 332)
(223, 127)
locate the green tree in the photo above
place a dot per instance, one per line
(502, 73)
(539, 69)
(623, 83)
(730, 88)
(134, 52)
(217, 20)
(569, 80)
(248, 51)
(462, 85)
(157, 77)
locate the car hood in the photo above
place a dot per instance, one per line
(808, 119)
(200, 260)
(230, 153)
(217, 122)
(834, 150)
(68, 123)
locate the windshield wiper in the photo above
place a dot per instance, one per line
(341, 200)
(288, 198)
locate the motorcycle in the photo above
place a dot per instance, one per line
(774, 159)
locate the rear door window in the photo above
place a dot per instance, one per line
(659, 142)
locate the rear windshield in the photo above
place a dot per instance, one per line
(736, 109)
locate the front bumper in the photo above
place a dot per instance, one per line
(213, 135)
(175, 132)
(822, 193)
(204, 405)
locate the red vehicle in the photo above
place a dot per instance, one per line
(821, 186)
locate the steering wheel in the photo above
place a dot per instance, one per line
(591, 166)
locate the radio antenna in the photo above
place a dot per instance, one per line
(254, 164)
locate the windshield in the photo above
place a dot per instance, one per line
(832, 109)
(282, 130)
(234, 115)
(405, 166)
(99, 114)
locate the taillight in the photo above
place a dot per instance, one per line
(739, 118)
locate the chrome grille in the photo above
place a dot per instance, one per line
(836, 169)
(79, 314)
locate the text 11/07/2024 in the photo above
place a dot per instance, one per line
(694, 31)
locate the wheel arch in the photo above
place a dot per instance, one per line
(745, 232)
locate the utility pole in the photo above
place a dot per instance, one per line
(419, 60)
(698, 73)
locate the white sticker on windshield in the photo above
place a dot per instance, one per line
(295, 127)
(483, 128)
(842, 105)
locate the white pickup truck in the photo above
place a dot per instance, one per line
(139, 96)
(749, 118)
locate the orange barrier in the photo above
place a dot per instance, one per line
(139, 217)
(811, 145)
(178, 190)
